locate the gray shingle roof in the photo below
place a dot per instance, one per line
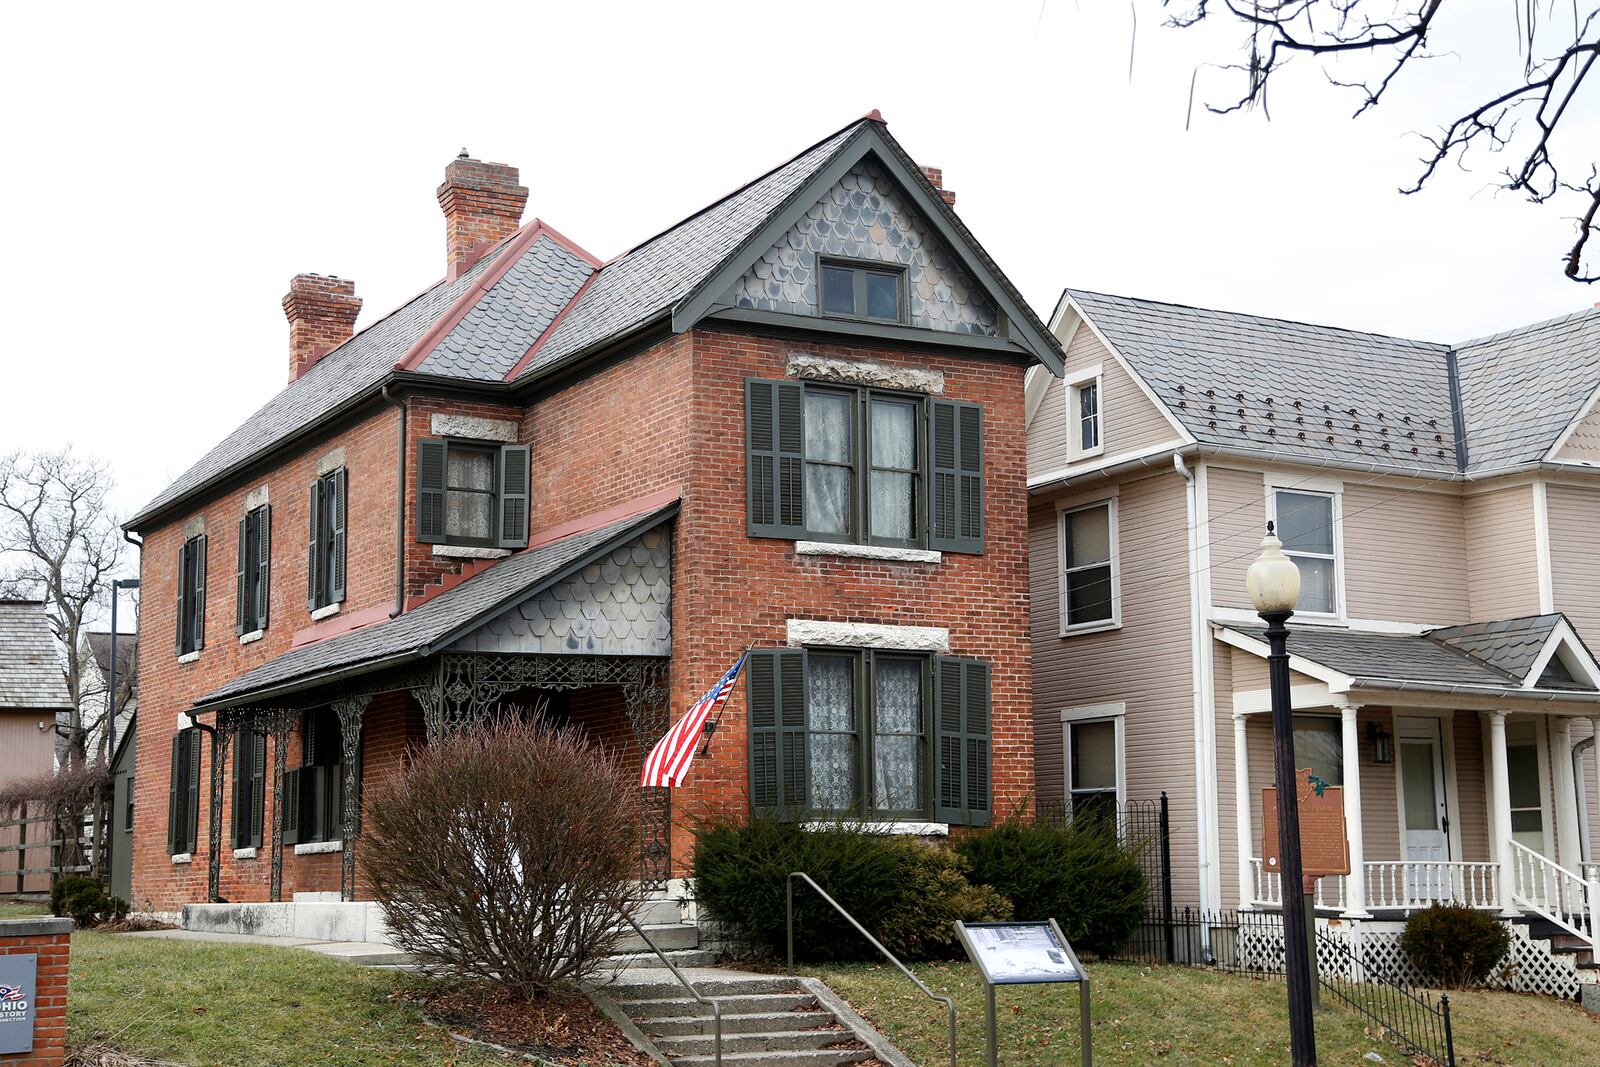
(30, 669)
(1519, 389)
(336, 378)
(668, 267)
(499, 328)
(414, 634)
(1492, 655)
(1301, 391)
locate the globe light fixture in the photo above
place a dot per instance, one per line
(1273, 581)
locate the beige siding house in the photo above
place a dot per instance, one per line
(1442, 503)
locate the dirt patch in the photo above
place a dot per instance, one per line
(564, 1027)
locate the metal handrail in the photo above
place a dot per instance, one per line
(948, 1002)
(715, 1002)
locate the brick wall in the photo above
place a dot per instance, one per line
(50, 940)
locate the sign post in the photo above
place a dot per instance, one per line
(1025, 953)
(1324, 849)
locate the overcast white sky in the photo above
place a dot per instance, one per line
(168, 168)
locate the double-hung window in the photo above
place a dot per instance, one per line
(254, 570)
(472, 493)
(1089, 595)
(183, 793)
(1093, 737)
(249, 778)
(1083, 415)
(863, 291)
(1319, 747)
(313, 793)
(869, 734)
(326, 541)
(863, 466)
(1306, 526)
(191, 606)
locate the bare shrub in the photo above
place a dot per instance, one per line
(506, 853)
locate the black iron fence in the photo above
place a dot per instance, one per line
(1251, 942)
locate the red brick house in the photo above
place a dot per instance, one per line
(791, 423)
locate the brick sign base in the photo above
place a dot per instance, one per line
(48, 941)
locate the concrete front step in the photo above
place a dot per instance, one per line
(770, 1041)
(687, 957)
(733, 1023)
(668, 937)
(732, 1004)
(809, 1058)
(663, 987)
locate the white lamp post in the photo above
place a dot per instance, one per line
(1273, 583)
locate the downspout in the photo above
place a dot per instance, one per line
(400, 507)
(1203, 816)
(1585, 843)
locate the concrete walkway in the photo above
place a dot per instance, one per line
(365, 953)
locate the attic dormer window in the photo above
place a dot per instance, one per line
(859, 291)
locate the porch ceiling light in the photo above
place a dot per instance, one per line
(1273, 580)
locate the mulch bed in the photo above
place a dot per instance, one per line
(564, 1027)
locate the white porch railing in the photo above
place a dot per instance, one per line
(1413, 884)
(1268, 889)
(1545, 887)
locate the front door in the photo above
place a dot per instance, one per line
(1423, 809)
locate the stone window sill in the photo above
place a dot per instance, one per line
(882, 552)
(470, 552)
(182, 858)
(1091, 628)
(327, 611)
(189, 657)
(318, 848)
(244, 853)
(252, 637)
(902, 829)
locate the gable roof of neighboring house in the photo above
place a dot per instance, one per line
(30, 669)
(1492, 658)
(435, 623)
(1279, 389)
(537, 303)
(99, 642)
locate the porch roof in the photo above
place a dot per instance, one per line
(434, 624)
(1490, 659)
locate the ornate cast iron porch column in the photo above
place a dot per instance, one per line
(351, 711)
(219, 763)
(278, 722)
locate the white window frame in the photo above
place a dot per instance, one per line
(1075, 383)
(1117, 715)
(1334, 491)
(1093, 625)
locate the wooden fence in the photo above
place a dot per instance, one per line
(45, 841)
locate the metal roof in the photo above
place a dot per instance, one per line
(30, 665)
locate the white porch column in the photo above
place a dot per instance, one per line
(1500, 805)
(1568, 852)
(1355, 885)
(1241, 808)
(1594, 831)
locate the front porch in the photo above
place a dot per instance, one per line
(1463, 772)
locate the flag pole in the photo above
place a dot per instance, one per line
(712, 724)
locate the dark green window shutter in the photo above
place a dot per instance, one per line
(198, 606)
(776, 694)
(263, 575)
(183, 594)
(192, 802)
(314, 546)
(430, 491)
(336, 536)
(289, 803)
(241, 598)
(514, 477)
(775, 458)
(241, 787)
(955, 434)
(961, 721)
(173, 811)
(258, 784)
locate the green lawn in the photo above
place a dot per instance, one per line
(208, 1003)
(1183, 1015)
(21, 909)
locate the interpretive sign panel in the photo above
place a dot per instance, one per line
(18, 993)
(1023, 954)
(1324, 848)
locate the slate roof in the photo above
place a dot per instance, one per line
(1300, 391)
(421, 631)
(30, 669)
(1486, 655)
(100, 647)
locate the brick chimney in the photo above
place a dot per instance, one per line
(322, 316)
(935, 178)
(482, 203)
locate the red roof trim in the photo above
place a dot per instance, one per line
(342, 623)
(515, 246)
(538, 343)
(636, 506)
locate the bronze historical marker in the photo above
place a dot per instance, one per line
(1323, 846)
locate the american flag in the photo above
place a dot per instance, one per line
(669, 761)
